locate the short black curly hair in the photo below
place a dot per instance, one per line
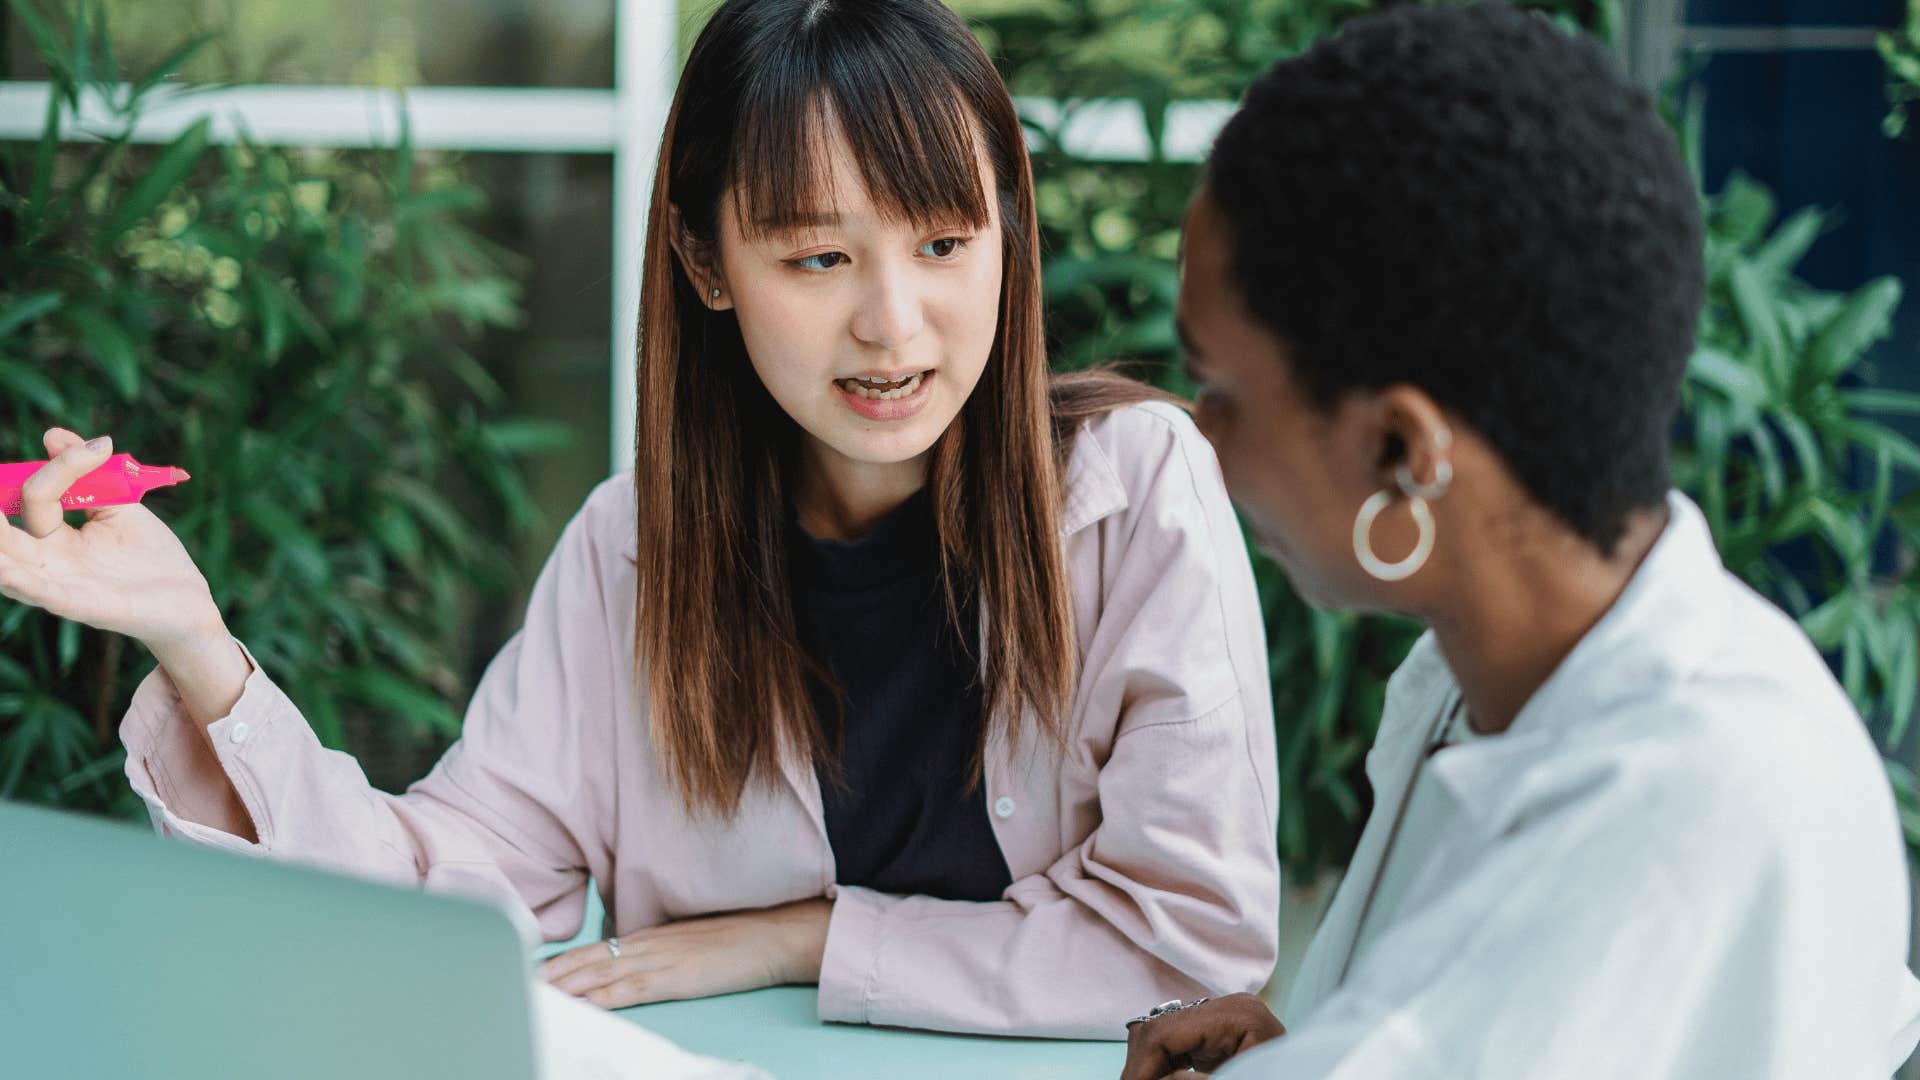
(1473, 201)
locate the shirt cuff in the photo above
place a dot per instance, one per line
(169, 768)
(849, 968)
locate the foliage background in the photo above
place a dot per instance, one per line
(299, 321)
(292, 323)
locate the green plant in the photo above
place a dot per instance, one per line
(1901, 51)
(1786, 456)
(1780, 422)
(286, 326)
(1784, 451)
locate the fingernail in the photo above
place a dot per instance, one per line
(96, 445)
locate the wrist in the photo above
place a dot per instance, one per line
(206, 630)
(805, 932)
(209, 672)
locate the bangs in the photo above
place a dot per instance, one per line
(913, 139)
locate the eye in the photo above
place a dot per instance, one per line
(944, 248)
(813, 262)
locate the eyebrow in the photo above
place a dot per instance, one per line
(802, 222)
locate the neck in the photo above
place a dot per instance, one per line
(838, 498)
(1524, 605)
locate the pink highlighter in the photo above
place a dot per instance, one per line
(120, 481)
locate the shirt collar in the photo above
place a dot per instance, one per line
(1093, 489)
(1659, 627)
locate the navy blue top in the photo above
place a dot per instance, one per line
(872, 612)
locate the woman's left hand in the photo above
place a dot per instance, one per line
(1202, 1037)
(719, 954)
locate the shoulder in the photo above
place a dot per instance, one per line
(1751, 766)
(1141, 431)
(602, 529)
(1145, 460)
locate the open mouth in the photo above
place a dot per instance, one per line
(883, 389)
(892, 398)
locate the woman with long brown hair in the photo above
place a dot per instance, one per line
(897, 665)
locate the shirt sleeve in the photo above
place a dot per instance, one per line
(1176, 891)
(508, 814)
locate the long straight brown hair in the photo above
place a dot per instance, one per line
(714, 632)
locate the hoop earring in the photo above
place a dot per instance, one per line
(1417, 496)
(1363, 538)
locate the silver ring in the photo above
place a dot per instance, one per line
(613, 946)
(1166, 1007)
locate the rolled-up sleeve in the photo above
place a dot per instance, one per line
(1176, 890)
(508, 814)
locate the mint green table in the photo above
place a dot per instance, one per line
(776, 1030)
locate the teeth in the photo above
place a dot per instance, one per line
(883, 389)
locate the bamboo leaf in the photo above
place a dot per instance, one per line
(24, 382)
(296, 545)
(419, 708)
(161, 180)
(112, 348)
(526, 436)
(29, 308)
(170, 64)
(50, 48)
(43, 161)
(69, 645)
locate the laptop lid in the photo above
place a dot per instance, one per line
(126, 955)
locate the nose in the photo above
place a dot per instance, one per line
(891, 313)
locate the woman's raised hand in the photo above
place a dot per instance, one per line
(123, 571)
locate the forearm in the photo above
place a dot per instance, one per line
(206, 667)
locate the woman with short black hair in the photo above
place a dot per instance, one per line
(1439, 291)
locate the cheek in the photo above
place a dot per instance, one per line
(1288, 508)
(969, 315)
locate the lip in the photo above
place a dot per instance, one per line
(896, 409)
(888, 376)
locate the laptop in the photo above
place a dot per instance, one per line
(123, 954)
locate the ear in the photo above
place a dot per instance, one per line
(700, 261)
(1416, 440)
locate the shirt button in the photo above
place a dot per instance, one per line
(239, 733)
(1004, 806)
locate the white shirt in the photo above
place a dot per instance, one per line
(1682, 860)
(1432, 813)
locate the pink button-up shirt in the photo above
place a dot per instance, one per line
(1143, 858)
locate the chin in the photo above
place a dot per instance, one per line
(887, 448)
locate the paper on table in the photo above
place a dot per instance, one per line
(579, 1041)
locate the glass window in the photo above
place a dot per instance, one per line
(363, 42)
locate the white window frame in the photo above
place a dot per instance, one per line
(626, 122)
